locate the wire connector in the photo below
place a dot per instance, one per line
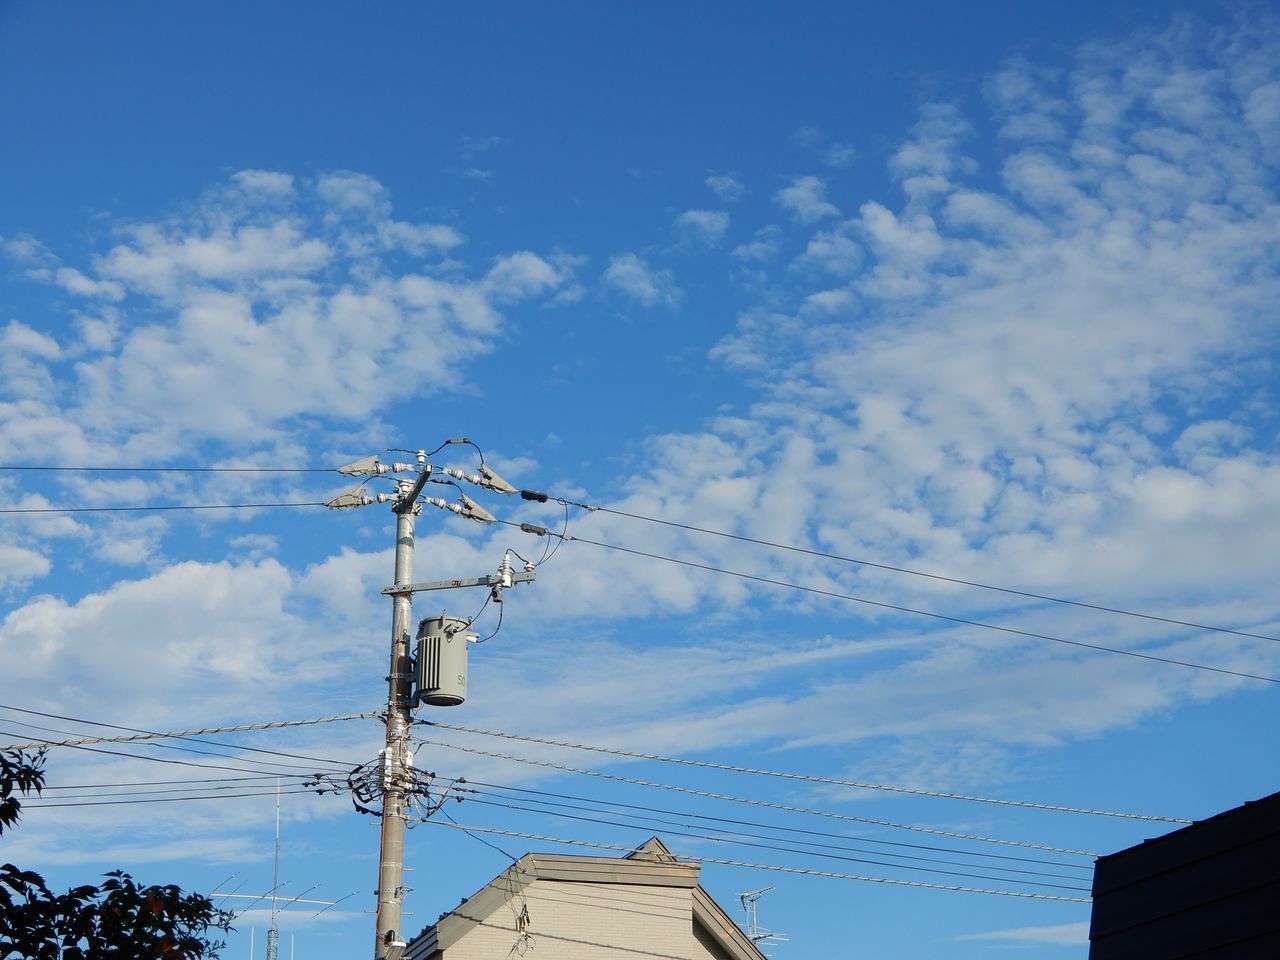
(356, 497)
(485, 478)
(468, 508)
(373, 467)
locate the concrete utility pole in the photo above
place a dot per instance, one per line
(396, 758)
(398, 784)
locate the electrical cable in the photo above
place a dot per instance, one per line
(774, 847)
(188, 763)
(159, 783)
(543, 532)
(808, 778)
(38, 805)
(756, 836)
(187, 788)
(759, 866)
(786, 808)
(492, 846)
(814, 833)
(176, 469)
(501, 609)
(270, 765)
(918, 573)
(534, 495)
(157, 508)
(188, 734)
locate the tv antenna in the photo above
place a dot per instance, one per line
(755, 933)
(278, 903)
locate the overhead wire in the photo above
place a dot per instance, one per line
(153, 508)
(808, 778)
(797, 830)
(160, 783)
(920, 573)
(142, 735)
(594, 508)
(602, 807)
(769, 867)
(785, 808)
(138, 734)
(201, 786)
(187, 763)
(271, 767)
(40, 804)
(170, 469)
(756, 844)
(898, 608)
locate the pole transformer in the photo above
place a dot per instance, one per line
(446, 646)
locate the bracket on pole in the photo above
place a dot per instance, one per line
(492, 580)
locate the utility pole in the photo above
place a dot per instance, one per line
(396, 758)
(397, 781)
(273, 935)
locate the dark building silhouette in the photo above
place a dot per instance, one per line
(1209, 891)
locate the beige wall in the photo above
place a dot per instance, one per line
(591, 921)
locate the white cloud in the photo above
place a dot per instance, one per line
(763, 246)
(19, 338)
(73, 281)
(1002, 401)
(805, 199)
(727, 186)
(248, 291)
(635, 278)
(1063, 934)
(702, 227)
(19, 566)
(839, 155)
(832, 251)
(264, 181)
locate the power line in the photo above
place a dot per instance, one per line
(541, 531)
(809, 778)
(154, 508)
(38, 805)
(271, 766)
(813, 833)
(192, 763)
(759, 866)
(693, 528)
(160, 783)
(601, 806)
(780, 849)
(179, 734)
(231, 783)
(172, 469)
(920, 573)
(785, 808)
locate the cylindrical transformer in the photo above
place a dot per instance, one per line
(442, 661)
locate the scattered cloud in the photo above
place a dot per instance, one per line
(839, 155)
(727, 186)
(1062, 934)
(261, 283)
(763, 246)
(702, 227)
(633, 277)
(805, 200)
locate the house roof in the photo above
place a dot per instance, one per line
(651, 864)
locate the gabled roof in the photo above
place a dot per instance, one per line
(652, 864)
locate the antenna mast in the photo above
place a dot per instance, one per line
(755, 933)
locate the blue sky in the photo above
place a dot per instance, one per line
(985, 292)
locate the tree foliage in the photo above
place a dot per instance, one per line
(117, 919)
